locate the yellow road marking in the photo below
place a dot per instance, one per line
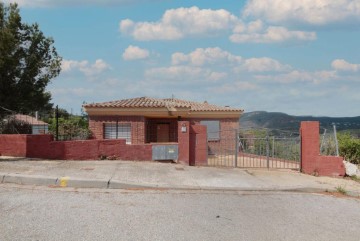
(64, 181)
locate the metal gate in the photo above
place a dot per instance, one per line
(254, 152)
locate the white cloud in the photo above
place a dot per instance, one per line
(220, 58)
(273, 34)
(184, 73)
(294, 76)
(134, 52)
(215, 76)
(313, 12)
(69, 65)
(263, 65)
(343, 65)
(54, 3)
(181, 22)
(201, 56)
(126, 26)
(255, 26)
(85, 67)
(189, 22)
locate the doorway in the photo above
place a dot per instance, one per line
(163, 132)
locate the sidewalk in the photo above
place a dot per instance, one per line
(131, 174)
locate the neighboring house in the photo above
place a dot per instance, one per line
(151, 120)
(37, 126)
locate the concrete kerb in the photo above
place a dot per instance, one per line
(2, 176)
(29, 179)
(114, 184)
(81, 182)
(53, 181)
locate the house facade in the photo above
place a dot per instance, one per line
(37, 126)
(147, 120)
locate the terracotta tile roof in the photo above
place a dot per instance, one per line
(142, 102)
(29, 119)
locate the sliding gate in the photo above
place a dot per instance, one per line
(254, 152)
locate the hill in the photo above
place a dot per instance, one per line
(282, 121)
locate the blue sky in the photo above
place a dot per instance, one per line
(298, 57)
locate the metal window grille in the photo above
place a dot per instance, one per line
(118, 131)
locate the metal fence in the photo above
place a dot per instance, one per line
(269, 152)
(254, 152)
(63, 125)
(329, 143)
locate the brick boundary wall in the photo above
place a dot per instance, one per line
(13, 145)
(311, 161)
(184, 142)
(198, 145)
(43, 146)
(192, 143)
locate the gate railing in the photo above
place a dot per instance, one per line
(251, 152)
(269, 152)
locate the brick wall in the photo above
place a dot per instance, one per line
(43, 146)
(198, 145)
(96, 125)
(227, 134)
(311, 160)
(184, 142)
(13, 145)
(38, 146)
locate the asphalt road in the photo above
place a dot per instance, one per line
(42, 213)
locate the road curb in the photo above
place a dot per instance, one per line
(65, 181)
(81, 182)
(29, 179)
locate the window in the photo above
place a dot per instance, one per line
(213, 129)
(121, 131)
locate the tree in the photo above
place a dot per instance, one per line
(28, 62)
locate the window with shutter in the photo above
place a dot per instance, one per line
(119, 131)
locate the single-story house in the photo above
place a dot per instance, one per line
(37, 126)
(152, 120)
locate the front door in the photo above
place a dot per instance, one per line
(163, 131)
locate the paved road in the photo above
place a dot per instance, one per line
(42, 213)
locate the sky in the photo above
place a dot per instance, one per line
(297, 57)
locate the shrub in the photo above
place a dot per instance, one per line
(349, 147)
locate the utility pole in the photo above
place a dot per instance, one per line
(57, 122)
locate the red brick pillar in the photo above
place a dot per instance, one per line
(184, 142)
(310, 148)
(311, 160)
(198, 145)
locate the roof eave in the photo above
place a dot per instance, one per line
(147, 112)
(215, 114)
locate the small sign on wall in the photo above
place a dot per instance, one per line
(183, 129)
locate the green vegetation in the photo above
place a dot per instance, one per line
(341, 190)
(70, 126)
(261, 142)
(28, 62)
(355, 178)
(349, 147)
